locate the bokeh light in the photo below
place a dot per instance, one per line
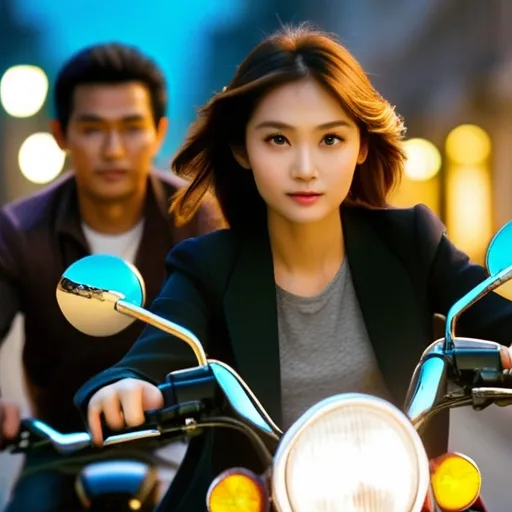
(23, 90)
(423, 159)
(40, 158)
(468, 144)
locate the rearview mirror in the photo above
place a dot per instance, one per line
(89, 289)
(100, 295)
(499, 256)
(499, 266)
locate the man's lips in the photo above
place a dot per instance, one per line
(112, 174)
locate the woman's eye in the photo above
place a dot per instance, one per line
(331, 139)
(278, 140)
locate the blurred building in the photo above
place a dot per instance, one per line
(446, 64)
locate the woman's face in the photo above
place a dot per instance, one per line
(302, 148)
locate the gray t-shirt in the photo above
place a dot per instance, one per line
(324, 347)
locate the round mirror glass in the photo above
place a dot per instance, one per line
(499, 252)
(499, 257)
(91, 313)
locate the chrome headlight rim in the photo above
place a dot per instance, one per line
(279, 486)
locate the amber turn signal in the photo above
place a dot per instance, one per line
(456, 482)
(237, 490)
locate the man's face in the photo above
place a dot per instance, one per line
(111, 139)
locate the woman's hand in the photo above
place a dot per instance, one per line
(123, 405)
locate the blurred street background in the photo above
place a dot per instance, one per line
(445, 64)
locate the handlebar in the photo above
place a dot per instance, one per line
(474, 372)
(35, 434)
(187, 396)
(209, 396)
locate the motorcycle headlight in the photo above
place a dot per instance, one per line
(351, 453)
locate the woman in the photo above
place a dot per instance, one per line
(318, 287)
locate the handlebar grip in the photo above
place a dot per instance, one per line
(9, 444)
(156, 418)
(186, 393)
(26, 439)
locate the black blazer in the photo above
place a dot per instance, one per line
(221, 287)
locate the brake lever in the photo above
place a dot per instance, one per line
(158, 422)
(485, 396)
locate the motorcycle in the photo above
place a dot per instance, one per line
(349, 452)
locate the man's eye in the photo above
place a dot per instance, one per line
(133, 128)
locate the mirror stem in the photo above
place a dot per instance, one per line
(490, 284)
(165, 325)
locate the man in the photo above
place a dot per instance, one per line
(110, 103)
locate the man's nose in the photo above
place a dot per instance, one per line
(114, 146)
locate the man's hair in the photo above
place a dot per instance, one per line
(110, 63)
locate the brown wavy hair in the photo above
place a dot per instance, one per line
(292, 54)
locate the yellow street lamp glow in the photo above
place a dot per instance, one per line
(456, 482)
(237, 490)
(40, 158)
(23, 90)
(468, 144)
(423, 159)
